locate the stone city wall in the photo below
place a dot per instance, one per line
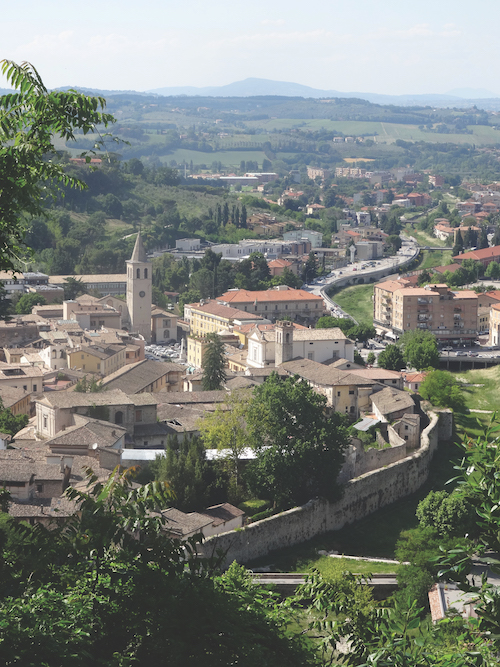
(362, 496)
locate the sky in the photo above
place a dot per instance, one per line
(378, 46)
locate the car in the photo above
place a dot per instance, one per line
(461, 353)
(473, 354)
(447, 349)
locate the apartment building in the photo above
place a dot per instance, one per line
(450, 316)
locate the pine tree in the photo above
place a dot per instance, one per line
(225, 214)
(243, 217)
(214, 374)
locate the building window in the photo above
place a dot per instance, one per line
(83, 356)
(145, 443)
(351, 392)
(145, 273)
(406, 427)
(45, 422)
(138, 273)
(39, 488)
(34, 387)
(98, 367)
(119, 417)
(138, 415)
(25, 387)
(338, 394)
(352, 408)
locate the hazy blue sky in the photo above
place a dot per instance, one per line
(349, 45)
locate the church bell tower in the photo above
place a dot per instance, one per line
(139, 289)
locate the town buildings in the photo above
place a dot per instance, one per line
(450, 316)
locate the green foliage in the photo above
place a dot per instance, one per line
(299, 446)
(358, 359)
(10, 423)
(73, 288)
(111, 588)
(84, 386)
(254, 506)
(214, 362)
(225, 430)
(391, 358)
(186, 470)
(419, 349)
(493, 271)
(329, 322)
(26, 302)
(29, 120)
(442, 390)
(448, 514)
(371, 358)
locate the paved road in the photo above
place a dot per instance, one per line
(408, 249)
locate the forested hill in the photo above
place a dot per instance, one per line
(271, 106)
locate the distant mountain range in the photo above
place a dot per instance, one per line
(253, 87)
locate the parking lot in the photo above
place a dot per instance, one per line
(163, 352)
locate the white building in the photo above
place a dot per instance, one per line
(316, 344)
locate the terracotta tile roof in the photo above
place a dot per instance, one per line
(247, 296)
(484, 253)
(220, 310)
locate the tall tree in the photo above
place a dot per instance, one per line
(29, 121)
(299, 443)
(214, 362)
(420, 349)
(185, 468)
(442, 390)
(225, 429)
(391, 358)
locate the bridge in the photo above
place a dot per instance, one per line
(457, 362)
(287, 582)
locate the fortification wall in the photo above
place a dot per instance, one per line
(362, 496)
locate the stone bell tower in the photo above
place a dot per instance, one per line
(139, 290)
(283, 350)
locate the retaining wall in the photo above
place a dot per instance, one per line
(362, 496)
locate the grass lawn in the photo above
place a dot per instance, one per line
(330, 566)
(375, 535)
(423, 238)
(357, 301)
(432, 258)
(486, 395)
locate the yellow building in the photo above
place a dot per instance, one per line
(209, 317)
(494, 324)
(98, 360)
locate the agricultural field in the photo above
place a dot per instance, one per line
(381, 132)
